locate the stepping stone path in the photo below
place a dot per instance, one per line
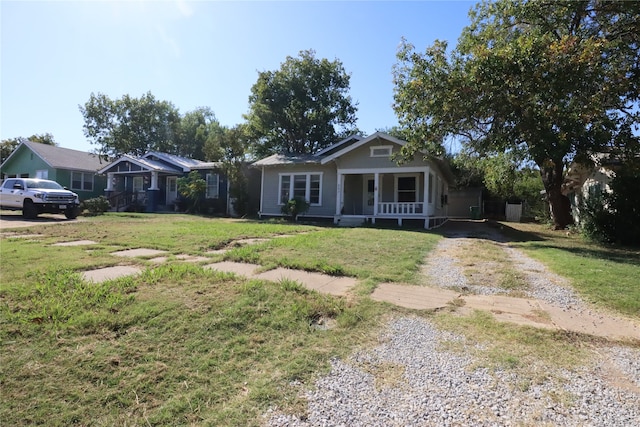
(316, 281)
(109, 273)
(76, 243)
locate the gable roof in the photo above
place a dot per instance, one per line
(361, 142)
(162, 162)
(288, 159)
(61, 158)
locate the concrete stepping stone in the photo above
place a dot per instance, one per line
(240, 268)
(109, 273)
(191, 258)
(320, 282)
(76, 243)
(217, 252)
(10, 235)
(141, 252)
(414, 297)
(243, 242)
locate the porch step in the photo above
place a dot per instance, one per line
(350, 222)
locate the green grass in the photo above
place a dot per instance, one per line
(608, 277)
(183, 345)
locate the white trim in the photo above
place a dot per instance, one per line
(307, 189)
(332, 146)
(416, 178)
(360, 143)
(262, 191)
(387, 153)
(399, 169)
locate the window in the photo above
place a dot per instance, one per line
(307, 186)
(42, 174)
(138, 184)
(407, 189)
(81, 181)
(381, 151)
(213, 186)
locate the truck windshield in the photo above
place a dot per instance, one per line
(36, 183)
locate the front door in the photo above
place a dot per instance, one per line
(368, 193)
(172, 189)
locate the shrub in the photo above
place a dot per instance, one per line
(95, 206)
(295, 207)
(612, 217)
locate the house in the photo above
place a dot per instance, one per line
(150, 183)
(582, 181)
(355, 181)
(76, 170)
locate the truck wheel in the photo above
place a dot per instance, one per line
(71, 213)
(29, 210)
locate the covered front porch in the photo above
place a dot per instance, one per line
(368, 196)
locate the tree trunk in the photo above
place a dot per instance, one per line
(552, 177)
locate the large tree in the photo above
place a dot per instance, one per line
(130, 125)
(196, 128)
(302, 107)
(549, 82)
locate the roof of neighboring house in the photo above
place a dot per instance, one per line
(185, 163)
(62, 158)
(163, 162)
(288, 159)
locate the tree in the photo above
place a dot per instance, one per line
(193, 188)
(8, 145)
(130, 125)
(548, 82)
(196, 128)
(302, 107)
(228, 145)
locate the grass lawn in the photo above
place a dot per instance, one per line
(608, 277)
(183, 345)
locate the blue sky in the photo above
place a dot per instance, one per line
(197, 53)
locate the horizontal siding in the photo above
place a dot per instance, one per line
(270, 190)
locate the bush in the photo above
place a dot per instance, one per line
(612, 217)
(95, 206)
(295, 207)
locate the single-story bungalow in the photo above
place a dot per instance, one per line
(356, 180)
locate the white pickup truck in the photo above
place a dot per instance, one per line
(36, 196)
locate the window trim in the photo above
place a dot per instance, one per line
(83, 181)
(307, 176)
(207, 194)
(416, 177)
(388, 150)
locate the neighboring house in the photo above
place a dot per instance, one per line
(76, 170)
(150, 183)
(356, 181)
(582, 181)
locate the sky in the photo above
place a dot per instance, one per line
(54, 54)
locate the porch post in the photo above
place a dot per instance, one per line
(425, 196)
(154, 181)
(376, 181)
(339, 188)
(110, 179)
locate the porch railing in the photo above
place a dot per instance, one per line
(123, 200)
(401, 208)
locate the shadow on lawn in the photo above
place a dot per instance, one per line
(503, 233)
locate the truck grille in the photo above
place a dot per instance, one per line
(59, 198)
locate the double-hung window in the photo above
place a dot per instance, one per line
(81, 181)
(213, 187)
(307, 186)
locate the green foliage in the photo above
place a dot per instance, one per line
(197, 128)
(612, 216)
(548, 81)
(130, 125)
(294, 207)
(300, 108)
(193, 188)
(61, 298)
(95, 206)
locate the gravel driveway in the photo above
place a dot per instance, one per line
(411, 379)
